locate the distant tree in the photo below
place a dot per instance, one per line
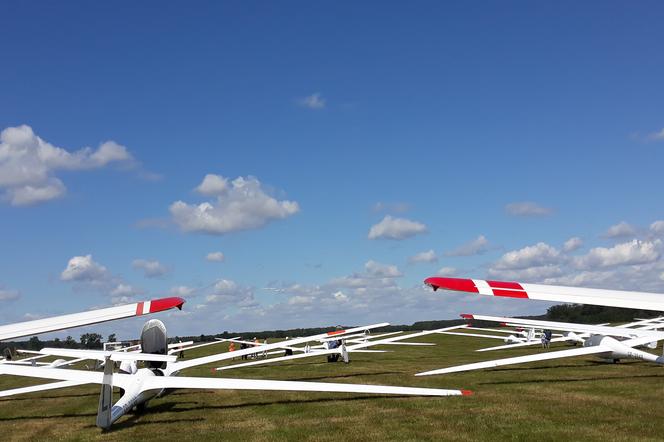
(34, 343)
(111, 338)
(70, 342)
(91, 340)
(57, 343)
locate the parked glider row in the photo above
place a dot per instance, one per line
(610, 343)
(160, 375)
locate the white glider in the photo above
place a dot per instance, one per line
(343, 350)
(612, 343)
(141, 385)
(31, 328)
(576, 295)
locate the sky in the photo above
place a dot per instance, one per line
(297, 164)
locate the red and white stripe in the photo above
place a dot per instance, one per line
(577, 295)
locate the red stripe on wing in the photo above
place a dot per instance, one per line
(505, 285)
(510, 293)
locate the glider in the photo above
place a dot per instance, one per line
(160, 377)
(611, 343)
(31, 328)
(576, 295)
(343, 350)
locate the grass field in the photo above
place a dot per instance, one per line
(572, 399)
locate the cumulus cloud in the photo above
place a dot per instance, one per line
(620, 230)
(475, 247)
(396, 228)
(84, 272)
(28, 165)
(182, 290)
(84, 269)
(231, 294)
(150, 268)
(9, 295)
(628, 253)
(215, 257)
(527, 208)
(536, 273)
(447, 271)
(313, 101)
(540, 254)
(377, 270)
(428, 256)
(242, 205)
(657, 228)
(212, 185)
(572, 244)
(124, 292)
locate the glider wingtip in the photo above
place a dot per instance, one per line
(466, 393)
(161, 304)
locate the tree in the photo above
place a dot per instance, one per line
(34, 343)
(91, 340)
(111, 338)
(57, 343)
(70, 342)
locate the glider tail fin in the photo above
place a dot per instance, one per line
(106, 396)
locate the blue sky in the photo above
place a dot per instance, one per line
(499, 130)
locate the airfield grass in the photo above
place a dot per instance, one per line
(573, 399)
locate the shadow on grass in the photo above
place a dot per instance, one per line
(32, 398)
(133, 419)
(593, 379)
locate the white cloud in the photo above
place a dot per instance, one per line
(396, 228)
(125, 291)
(657, 227)
(536, 273)
(475, 247)
(656, 136)
(215, 257)
(84, 269)
(243, 205)
(150, 268)
(9, 295)
(540, 254)
(231, 294)
(628, 253)
(28, 165)
(378, 270)
(527, 208)
(182, 290)
(620, 230)
(213, 185)
(447, 271)
(313, 101)
(428, 256)
(572, 244)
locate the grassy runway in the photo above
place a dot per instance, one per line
(571, 399)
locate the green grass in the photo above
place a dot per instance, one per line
(573, 399)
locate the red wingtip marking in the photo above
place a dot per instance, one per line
(505, 285)
(466, 392)
(159, 305)
(457, 284)
(510, 293)
(213, 370)
(139, 308)
(336, 332)
(467, 316)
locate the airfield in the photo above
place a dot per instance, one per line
(576, 399)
